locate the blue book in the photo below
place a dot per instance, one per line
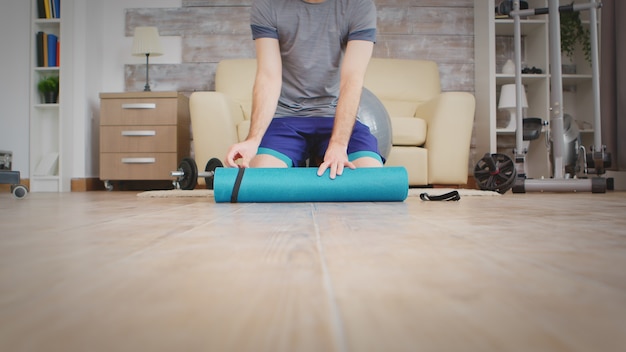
(57, 6)
(52, 50)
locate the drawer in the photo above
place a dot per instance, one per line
(144, 111)
(136, 139)
(137, 166)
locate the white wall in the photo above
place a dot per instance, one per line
(14, 81)
(98, 51)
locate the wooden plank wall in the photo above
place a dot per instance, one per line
(212, 30)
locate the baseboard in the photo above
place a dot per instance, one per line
(86, 184)
(471, 184)
(7, 187)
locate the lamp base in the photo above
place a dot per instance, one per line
(511, 127)
(146, 88)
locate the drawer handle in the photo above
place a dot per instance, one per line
(138, 133)
(138, 160)
(139, 106)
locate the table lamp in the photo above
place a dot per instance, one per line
(507, 102)
(146, 42)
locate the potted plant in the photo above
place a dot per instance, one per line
(49, 88)
(574, 33)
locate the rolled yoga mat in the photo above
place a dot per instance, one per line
(278, 185)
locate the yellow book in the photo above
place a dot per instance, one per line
(46, 4)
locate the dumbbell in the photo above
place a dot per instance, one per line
(187, 173)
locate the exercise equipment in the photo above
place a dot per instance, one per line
(11, 177)
(187, 173)
(559, 137)
(451, 196)
(495, 172)
(373, 114)
(262, 185)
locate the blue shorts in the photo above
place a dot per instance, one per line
(295, 140)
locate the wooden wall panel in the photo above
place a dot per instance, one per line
(186, 77)
(215, 3)
(217, 47)
(415, 3)
(438, 21)
(191, 21)
(213, 30)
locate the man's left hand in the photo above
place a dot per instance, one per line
(335, 159)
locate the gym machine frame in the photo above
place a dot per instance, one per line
(558, 182)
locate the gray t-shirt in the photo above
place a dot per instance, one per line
(312, 39)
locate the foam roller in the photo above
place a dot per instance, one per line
(279, 185)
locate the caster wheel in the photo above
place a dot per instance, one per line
(19, 191)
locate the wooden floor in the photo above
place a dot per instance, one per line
(108, 271)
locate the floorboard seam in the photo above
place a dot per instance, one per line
(335, 316)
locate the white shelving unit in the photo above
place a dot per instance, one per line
(493, 46)
(47, 120)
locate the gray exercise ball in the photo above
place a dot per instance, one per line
(372, 113)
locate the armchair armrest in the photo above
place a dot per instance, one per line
(450, 119)
(214, 120)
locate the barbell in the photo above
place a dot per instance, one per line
(187, 173)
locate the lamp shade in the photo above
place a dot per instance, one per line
(146, 41)
(508, 97)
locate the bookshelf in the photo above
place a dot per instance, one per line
(47, 155)
(493, 46)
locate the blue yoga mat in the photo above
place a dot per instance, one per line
(278, 185)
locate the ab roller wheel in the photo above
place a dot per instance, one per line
(495, 172)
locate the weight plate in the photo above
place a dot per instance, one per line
(189, 180)
(211, 165)
(495, 172)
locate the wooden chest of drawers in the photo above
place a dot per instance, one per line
(143, 135)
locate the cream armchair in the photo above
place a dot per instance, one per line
(431, 130)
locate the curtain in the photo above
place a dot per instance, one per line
(613, 80)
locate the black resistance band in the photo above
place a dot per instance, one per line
(235, 194)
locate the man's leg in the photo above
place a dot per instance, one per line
(282, 144)
(367, 161)
(363, 148)
(266, 160)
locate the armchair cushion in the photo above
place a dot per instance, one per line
(408, 131)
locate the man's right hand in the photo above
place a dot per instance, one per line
(245, 151)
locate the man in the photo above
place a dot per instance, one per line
(311, 61)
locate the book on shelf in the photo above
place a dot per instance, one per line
(57, 8)
(46, 4)
(40, 49)
(41, 9)
(48, 49)
(52, 50)
(45, 49)
(47, 9)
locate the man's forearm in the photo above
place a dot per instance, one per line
(346, 113)
(264, 100)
